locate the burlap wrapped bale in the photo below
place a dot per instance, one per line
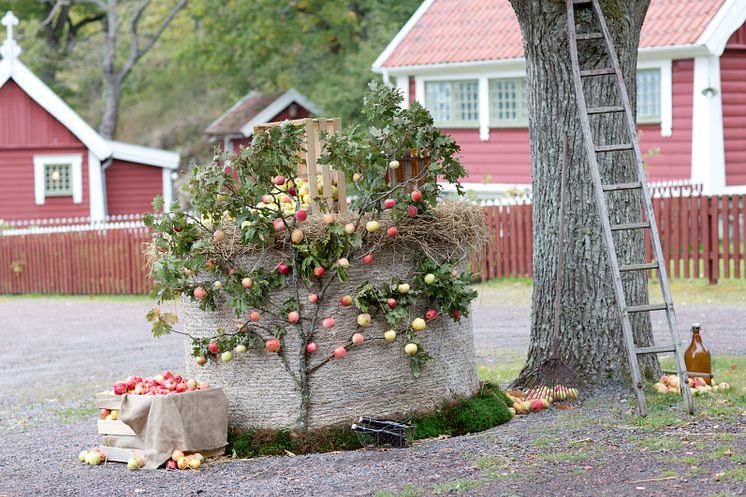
(374, 379)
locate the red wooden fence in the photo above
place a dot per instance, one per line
(63, 256)
(702, 237)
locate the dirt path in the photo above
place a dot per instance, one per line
(55, 353)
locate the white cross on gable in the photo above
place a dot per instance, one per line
(9, 48)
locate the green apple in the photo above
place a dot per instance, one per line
(390, 335)
(403, 288)
(227, 356)
(429, 278)
(241, 348)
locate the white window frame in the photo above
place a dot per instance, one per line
(666, 94)
(512, 123)
(76, 175)
(454, 79)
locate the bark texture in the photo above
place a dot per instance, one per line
(591, 332)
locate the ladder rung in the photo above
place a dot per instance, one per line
(614, 148)
(629, 226)
(597, 72)
(639, 267)
(581, 2)
(589, 36)
(689, 373)
(621, 186)
(655, 350)
(606, 110)
(647, 307)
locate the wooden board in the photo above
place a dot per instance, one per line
(105, 401)
(114, 428)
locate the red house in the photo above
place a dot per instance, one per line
(234, 128)
(463, 60)
(53, 164)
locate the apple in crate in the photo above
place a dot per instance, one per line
(120, 388)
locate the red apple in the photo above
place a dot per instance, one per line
(167, 374)
(120, 388)
(431, 314)
(368, 259)
(340, 353)
(319, 271)
(266, 199)
(283, 269)
(104, 413)
(200, 293)
(391, 303)
(392, 231)
(412, 211)
(328, 323)
(311, 348)
(131, 382)
(254, 316)
(536, 405)
(278, 224)
(313, 298)
(279, 180)
(292, 192)
(416, 196)
(273, 345)
(293, 316)
(218, 235)
(358, 338)
(181, 387)
(301, 215)
(455, 314)
(171, 464)
(345, 301)
(389, 203)
(213, 347)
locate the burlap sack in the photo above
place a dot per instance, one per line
(191, 422)
(374, 379)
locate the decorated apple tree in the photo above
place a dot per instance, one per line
(255, 202)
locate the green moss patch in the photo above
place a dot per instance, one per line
(488, 408)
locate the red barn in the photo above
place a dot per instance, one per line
(234, 128)
(53, 164)
(463, 60)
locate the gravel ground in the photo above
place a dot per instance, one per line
(56, 352)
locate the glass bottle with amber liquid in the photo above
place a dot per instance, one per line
(697, 357)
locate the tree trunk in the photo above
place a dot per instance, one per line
(112, 100)
(591, 332)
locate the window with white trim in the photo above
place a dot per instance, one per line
(58, 176)
(508, 105)
(58, 180)
(648, 95)
(453, 103)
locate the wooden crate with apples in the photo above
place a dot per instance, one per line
(115, 428)
(308, 167)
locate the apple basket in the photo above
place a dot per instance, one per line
(373, 379)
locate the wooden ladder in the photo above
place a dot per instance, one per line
(600, 189)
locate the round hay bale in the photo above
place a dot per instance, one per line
(374, 379)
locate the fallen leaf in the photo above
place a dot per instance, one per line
(728, 452)
(288, 453)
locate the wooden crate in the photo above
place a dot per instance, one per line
(121, 430)
(410, 166)
(308, 167)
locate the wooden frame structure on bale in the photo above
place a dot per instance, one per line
(316, 129)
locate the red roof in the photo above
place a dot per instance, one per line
(241, 113)
(451, 31)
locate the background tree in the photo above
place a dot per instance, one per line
(591, 325)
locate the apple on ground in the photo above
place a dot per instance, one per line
(429, 278)
(293, 317)
(357, 177)
(345, 300)
(279, 180)
(410, 349)
(328, 323)
(372, 226)
(343, 262)
(200, 293)
(431, 314)
(201, 360)
(217, 285)
(358, 338)
(329, 218)
(416, 196)
(171, 464)
(403, 288)
(241, 348)
(319, 271)
(296, 236)
(278, 224)
(104, 413)
(536, 405)
(412, 211)
(213, 347)
(283, 269)
(313, 298)
(219, 235)
(82, 456)
(363, 319)
(227, 356)
(182, 463)
(311, 347)
(254, 316)
(390, 335)
(133, 463)
(349, 228)
(195, 463)
(389, 203)
(391, 303)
